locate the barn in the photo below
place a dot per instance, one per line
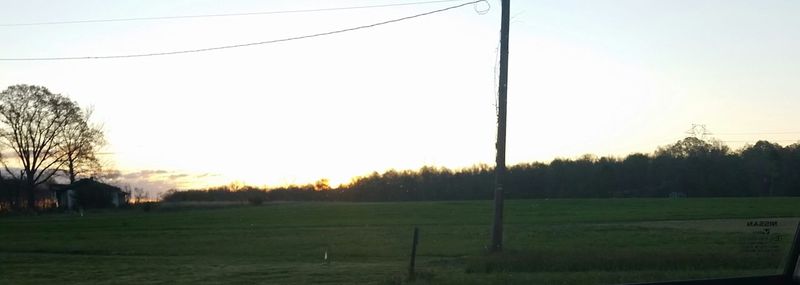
(89, 193)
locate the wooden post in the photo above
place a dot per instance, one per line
(415, 240)
(500, 168)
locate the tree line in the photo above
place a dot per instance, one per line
(691, 167)
(43, 136)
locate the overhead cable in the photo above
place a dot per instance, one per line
(244, 44)
(223, 15)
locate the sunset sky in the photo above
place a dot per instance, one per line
(601, 77)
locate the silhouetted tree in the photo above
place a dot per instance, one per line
(691, 166)
(763, 164)
(322, 185)
(32, 120)
(80, 142)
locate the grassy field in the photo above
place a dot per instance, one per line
(547, 242)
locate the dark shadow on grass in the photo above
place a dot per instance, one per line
(573, 260)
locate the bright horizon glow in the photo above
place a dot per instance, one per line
(603, 77)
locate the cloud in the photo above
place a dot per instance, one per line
(154, 181)
(158, 181)
(178, 176)
(144, 174)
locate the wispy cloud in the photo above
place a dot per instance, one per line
(179, 176)
(153, 181)
(158, 181)
(144, 174)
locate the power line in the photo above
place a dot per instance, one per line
(755, 140)
(224, 15)
(246, 44)
(758, 133)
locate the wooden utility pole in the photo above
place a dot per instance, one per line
(500, 168)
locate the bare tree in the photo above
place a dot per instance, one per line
(134, 194)
(31, 122)
(80, 142)
(139, 195)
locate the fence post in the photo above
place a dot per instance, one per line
(411, 274)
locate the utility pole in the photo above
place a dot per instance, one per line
(500, 168)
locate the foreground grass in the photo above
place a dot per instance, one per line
(548, 242)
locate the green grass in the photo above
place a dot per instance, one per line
(547, 242)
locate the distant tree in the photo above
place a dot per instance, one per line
(791, 164)
(689, 167)
(605, 179)
(635, 173)
(322, 184)
(236, 186)
(763, 162)
(692, 146)
(139, 195)
(32, 120)
(80, 142)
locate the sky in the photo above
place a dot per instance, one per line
(603, 77)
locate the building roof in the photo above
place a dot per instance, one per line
(89, 183)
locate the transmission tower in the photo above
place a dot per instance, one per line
(698, 131)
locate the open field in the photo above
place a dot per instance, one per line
(548, 242)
